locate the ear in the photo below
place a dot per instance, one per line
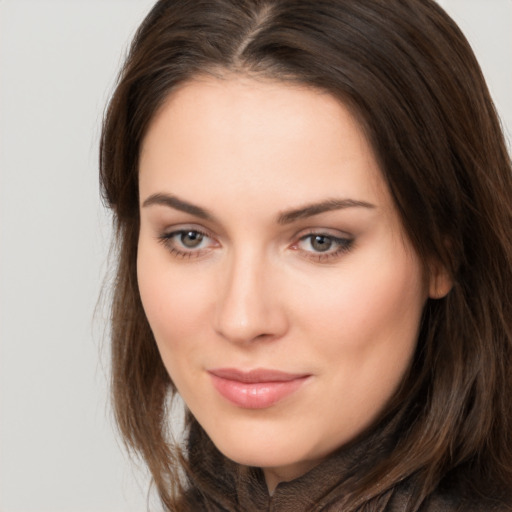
(440, 281)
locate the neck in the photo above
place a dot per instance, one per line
(276, 475)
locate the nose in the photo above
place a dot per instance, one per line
(250, 304)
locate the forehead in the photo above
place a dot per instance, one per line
(252, 136)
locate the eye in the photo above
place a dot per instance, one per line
(191, 239)
(320, 243)
(187, 242)
(322, 246)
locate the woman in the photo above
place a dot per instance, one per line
(313, 210)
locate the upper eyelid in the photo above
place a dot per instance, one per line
(334, 233)
(180, 228)
(174, 232)
(340, 240)
(217, 230)
(178, 249)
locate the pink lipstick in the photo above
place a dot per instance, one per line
(256, 389)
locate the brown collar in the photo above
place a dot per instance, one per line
(324, 486)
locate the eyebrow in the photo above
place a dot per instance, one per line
(286, 217)
(178, 204)
(310, 210)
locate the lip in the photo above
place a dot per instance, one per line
(255, 389)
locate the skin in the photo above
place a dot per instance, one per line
(259, 293)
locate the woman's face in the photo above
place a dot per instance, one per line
(282, 292)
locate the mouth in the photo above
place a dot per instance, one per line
(255, 389)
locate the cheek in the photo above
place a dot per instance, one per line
(365, 328)
(369, 311)
(175, 302)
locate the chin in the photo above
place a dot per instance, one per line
(258, 457)
(266, 450)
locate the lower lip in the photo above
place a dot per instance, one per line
(256, 395)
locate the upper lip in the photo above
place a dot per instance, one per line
(256, 375)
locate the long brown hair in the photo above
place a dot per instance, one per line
(410, 77)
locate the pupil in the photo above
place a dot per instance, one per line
(321, 243)
(191, 239)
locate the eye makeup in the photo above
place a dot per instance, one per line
(323, 247)
(316, 245)
(187, 242)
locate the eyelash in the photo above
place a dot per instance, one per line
(166, 239)
(344, 245)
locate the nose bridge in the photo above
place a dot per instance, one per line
(247, 306)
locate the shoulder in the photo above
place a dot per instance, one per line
(449, 497)
(193, 501)
(454, 502)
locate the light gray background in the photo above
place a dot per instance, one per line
(58, 62)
